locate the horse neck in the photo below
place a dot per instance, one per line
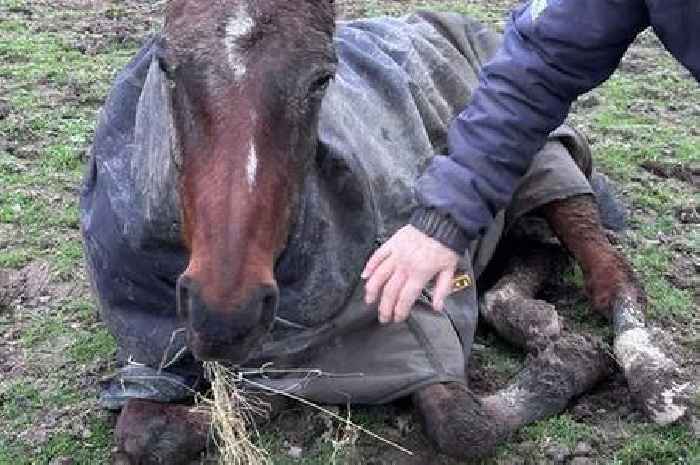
(333, 234)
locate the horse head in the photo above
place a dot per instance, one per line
(249, 76)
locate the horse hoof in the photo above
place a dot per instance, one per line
(655, 380)
(457, 422)
(152, 433)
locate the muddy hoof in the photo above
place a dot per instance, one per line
(457, 422)
(655, 380)
(525, 322)
(152, 433)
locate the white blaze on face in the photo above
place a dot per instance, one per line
(252, 166)
(238, 25)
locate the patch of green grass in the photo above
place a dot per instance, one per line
(18, 399)
(80, 308)
(33, 208)
(97, 344)
(9, 165)
(481, 12)
(498, 358)
(41, 329)
(562, 429)
(61, 157)
(652, 445)
(86, 346)
(631, 125)
(665, 301)
(63, 393)
(66, 258)
(10, 454)
(20, 207)
(15, 257)
(90, 449)
(573, 276)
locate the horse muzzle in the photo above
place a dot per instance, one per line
(231, 333)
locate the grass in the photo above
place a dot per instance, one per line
(51, 92)
(665, 301)
(497, 358)
(562, 429)
(87, 449)
(55, 73)
(659, 446)
(92, 346)
(489, 14)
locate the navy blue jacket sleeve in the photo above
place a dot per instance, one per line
(553, 51)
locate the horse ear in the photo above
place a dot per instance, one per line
(156, 155)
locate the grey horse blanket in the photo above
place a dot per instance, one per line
(399, 84)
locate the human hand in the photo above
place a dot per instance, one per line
(402, 267)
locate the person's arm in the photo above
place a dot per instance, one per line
(553, 51)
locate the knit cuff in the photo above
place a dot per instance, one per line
(440, 227)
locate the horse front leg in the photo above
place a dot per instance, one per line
(462, 424)
(655, 380)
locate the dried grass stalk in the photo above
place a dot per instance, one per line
(232, 413)
(233, 416)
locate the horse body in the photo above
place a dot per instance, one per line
(352, 192)
(249, 195)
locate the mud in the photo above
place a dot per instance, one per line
(682, 171)
(26, 286)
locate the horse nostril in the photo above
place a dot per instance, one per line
(269, 300)
(183, 296)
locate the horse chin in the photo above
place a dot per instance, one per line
(236, 354)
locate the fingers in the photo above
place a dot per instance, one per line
(407, 298)
(375, 260)
(390, 294)
(442, 289)
(400, 269)
(377, 280)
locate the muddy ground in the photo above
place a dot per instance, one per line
(57, 59)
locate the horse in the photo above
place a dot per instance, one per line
(263, 222)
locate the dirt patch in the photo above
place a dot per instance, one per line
(685, 172)
(12, 362)
(26, 286)
(686, 273)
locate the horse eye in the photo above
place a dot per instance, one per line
(320, 84)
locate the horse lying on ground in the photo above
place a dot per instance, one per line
(247, 164)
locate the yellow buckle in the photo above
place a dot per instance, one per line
(460, 282)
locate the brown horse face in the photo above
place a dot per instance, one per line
(249, 77)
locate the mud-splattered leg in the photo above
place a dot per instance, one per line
(576, 223)
(464, 425)
(654, 379)
(510, 306)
